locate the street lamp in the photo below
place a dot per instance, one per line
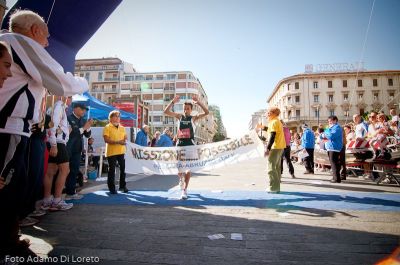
(318, 106)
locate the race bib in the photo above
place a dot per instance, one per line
(184, 133)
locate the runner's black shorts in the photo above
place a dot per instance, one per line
(62, 154)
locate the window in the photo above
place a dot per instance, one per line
(289, 100)
(181, 76)
(344, 83)
(149, 77)
(87, 75)
(297, 113)
(139, 77)
(288, 87)
(316, 113)
(169, 86)
(100, 76)
(171, 76)
(329, 84)
(114, 86)
(346, 113)
(374, 82)
(359, 82)
(376, 96)
(296, 85)
(289, 114)
(297, 99)
(346, 97)
(180, 84)
(315, 84)
(157, 118)
(360, 96)
(330, 98)
(316, 98)
(390, 82)
(332, 112)
(391, 96)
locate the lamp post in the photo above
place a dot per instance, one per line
(318, 106)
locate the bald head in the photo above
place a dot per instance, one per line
(31, 25)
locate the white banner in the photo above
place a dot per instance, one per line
(171, 160)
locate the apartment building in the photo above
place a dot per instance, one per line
(112, 80)
(312, 97)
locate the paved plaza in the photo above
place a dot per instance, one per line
(312, 221)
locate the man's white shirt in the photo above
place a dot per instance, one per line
(33, 72)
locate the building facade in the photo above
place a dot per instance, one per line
(312, 97)
(220, 130)
(112, 80)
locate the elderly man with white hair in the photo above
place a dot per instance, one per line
(142, 136)
(22, 100)
(165, 139)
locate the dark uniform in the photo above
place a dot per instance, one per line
(74, 147)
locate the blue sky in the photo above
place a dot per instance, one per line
(240, 49)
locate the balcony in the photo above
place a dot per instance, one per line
(169, 123)
(112, 79)
(187, 90)
(156, 123)
(314, 120)
(156, 112)
(125, 92)
(105, 90)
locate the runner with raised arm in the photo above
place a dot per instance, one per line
(186, 131)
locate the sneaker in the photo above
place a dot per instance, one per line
(367, 177)
(45, 205)
(124, 190)
(61, 206)
(182, 183)
(37, 213)
(184, 195)
(76, 196)
(28, 221)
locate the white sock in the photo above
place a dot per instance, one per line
(48, 199)
(56, 200)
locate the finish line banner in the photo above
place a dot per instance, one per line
(172, 160)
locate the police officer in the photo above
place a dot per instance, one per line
(79, 127)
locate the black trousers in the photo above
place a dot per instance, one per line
(335, 164)
(74, 161)
(342, 158)
(13, 164)
(35, 175)
(286, 155)
(112, 161)
(309, 160)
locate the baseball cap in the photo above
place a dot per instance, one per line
(80, 105)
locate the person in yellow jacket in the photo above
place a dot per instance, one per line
(115, 137)
(274, 149)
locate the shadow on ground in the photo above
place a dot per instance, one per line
(119, 234)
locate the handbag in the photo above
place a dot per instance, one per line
(302, 154)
